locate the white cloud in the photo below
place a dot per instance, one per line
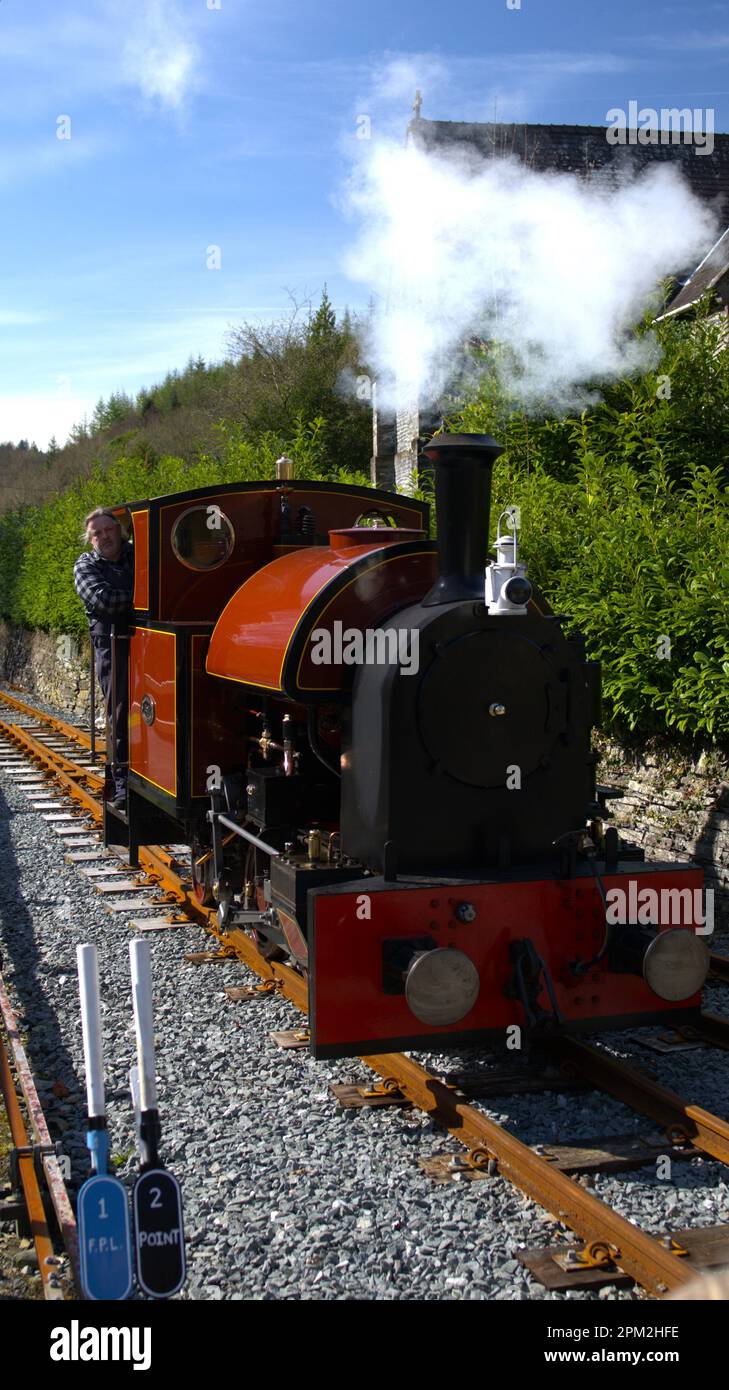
(149, 46)
(157, 56)
(498, 86)
(121, 359)
(556, 63)
(397, 78)
(696, 41)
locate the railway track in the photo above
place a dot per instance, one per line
(611, 1244)
(34, 1154)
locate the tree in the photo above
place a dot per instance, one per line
(303, 369)
(322, 327)
(80, 432)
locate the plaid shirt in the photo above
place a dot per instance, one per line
(105, 587)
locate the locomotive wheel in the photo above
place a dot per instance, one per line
(201, 862)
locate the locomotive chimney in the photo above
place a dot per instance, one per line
(463, 467)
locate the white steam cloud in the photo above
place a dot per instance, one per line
(555, 268)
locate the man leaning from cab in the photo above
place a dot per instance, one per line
(104, 581)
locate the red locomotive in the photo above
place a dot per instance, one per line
(383, 767)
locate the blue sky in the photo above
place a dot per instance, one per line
(233, 123)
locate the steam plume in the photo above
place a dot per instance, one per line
(555, 268)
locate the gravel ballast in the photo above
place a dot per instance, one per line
(287, 1196)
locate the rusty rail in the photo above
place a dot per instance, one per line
(706, 1133)
(41, 1146)
(65, 770)
(68, 731)
(711, 1029)
(638, 1254)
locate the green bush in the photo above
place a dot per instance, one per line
(641, 568)
(626, 526)
(676, 414)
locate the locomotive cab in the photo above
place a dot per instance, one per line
(190, 730)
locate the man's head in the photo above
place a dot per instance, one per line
(103, 533)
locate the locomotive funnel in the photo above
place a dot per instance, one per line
(463, 467)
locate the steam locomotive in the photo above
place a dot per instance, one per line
(378, 750)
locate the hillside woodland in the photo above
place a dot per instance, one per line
(624, 512)
(273, 378)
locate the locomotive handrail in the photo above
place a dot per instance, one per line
(246, 834)
(92, 704)
(113, 699)
(115, 637)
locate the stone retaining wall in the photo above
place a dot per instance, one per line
(56, 668)
(676, 806)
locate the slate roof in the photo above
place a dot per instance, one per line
(582, 150)
(713, 269)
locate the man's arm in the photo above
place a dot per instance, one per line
(97, 596)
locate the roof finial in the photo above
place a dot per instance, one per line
(418, 103)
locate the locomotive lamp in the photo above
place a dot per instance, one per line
(507, 588)
(441, 984)
(674, 963)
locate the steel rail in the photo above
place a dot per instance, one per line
(28, 1180)
(641, 1256)
(159, 865)
(68, 731)
(44, 1147)
(68, 773)
(705, 1132)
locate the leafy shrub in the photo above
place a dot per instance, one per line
(676, 415)
(641, 568)
(626, 524)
